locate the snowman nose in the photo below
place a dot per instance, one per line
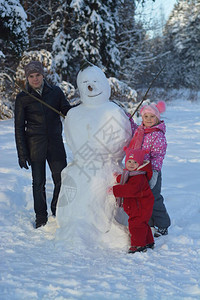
(90, 88)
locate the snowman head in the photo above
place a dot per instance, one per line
(93, 86)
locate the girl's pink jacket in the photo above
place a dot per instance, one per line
(156, 143)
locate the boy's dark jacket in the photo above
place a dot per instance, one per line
(38, 129)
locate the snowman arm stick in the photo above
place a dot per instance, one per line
(41, 101)
(140, 103)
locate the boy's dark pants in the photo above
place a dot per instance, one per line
(39, 181)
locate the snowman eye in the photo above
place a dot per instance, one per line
(85, 81)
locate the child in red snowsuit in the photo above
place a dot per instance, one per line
(137, 198)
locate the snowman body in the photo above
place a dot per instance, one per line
(96, 132)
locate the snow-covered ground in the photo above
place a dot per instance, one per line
(33, 267)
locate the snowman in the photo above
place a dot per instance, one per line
(96, 132)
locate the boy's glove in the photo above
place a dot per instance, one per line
(24, 162)
(153, 180)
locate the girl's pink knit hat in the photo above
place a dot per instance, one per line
(155, 109)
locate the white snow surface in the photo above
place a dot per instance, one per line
(33, 266)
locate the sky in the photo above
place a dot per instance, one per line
(165, 6)
(34, 266)
(156, 12)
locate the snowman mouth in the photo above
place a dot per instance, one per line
(95, 95)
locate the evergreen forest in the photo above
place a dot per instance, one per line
(62, 34)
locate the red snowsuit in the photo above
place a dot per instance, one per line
(138, 204)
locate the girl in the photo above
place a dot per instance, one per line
(137, 198)
(150, 135)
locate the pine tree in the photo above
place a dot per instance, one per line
(85, 30)
(13, 28)
(40, 15)
(183, 40)
(135, 47)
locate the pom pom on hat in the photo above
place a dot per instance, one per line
(161, 106)
(155, 109)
